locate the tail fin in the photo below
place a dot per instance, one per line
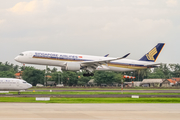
(153, 54)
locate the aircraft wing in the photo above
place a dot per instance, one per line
(100, 62)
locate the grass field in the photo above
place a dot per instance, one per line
(91, 100)
(93, 93)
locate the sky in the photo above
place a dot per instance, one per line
(91, 27)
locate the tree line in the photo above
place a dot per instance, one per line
(34, 76)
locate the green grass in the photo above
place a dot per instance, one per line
(93, 93)
(91, 100)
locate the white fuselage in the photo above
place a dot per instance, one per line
(12, 84)
(60, 59)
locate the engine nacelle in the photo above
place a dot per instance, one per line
(72, 66)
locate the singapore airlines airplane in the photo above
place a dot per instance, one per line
(12, 84)
(76, 62)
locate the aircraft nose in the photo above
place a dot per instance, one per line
(16, 58)
(29, 85)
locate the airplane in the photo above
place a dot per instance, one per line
(77, 62)
(13, 84)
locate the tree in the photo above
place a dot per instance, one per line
(7, 74)
(16, 68)
(70, 78)
(175, 70)
(158, 73)
(54, 70)
(83, 80)
(8, 70)
(33, 76)
(107, 77)
(119, 78)
(57, 76)
(163, 72)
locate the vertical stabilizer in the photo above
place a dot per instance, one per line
(152, 55)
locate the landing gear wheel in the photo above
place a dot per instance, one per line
(92, 74)
(85, 75)
(19, 93)
(88, 74)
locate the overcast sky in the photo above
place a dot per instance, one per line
(92, 27)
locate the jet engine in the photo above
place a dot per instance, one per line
(71, 66)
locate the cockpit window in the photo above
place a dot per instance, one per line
(24, 82)
(21, 54)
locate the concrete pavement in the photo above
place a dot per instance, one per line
(41, 111)
(135, 91)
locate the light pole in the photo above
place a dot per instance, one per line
(61, 77)
(131, 79)
(131, 75)
(45, 77)
(58, 79)
(121, 86)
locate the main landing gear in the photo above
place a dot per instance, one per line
(88, 74)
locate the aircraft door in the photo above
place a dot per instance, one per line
(30, 55)
(17, 83)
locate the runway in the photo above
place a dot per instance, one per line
(41, 111)
(88, 96)
(135, 91)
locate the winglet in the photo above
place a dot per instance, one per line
(126, 55)
(106, 55)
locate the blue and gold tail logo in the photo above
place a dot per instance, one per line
(153, 54)
(150, 55)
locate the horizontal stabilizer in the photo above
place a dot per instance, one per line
(156, 64)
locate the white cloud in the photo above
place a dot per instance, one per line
(109, 25)
(172, 3)
(141, 2)
(24, 7)
(134, 28)
(2, 21)
(29, 7)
